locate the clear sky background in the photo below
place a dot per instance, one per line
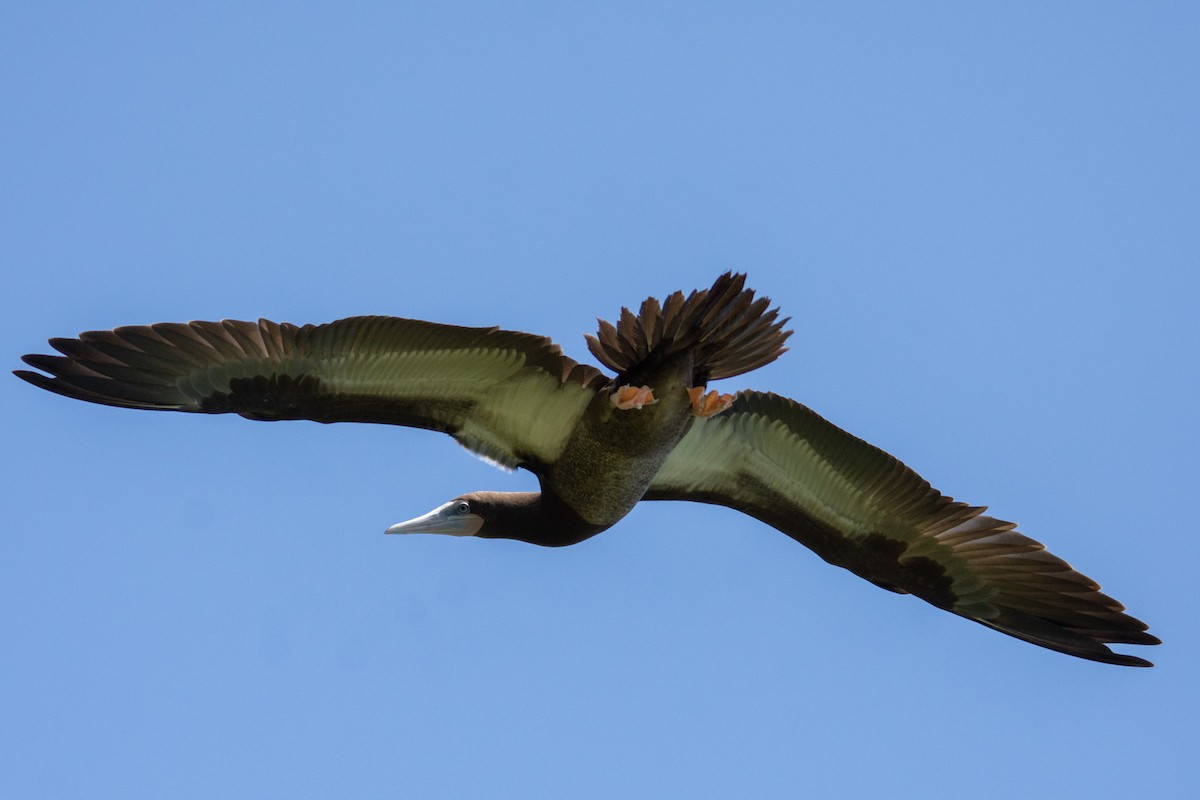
(982, 218)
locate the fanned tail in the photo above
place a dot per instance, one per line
(728, 331)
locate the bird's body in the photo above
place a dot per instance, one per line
(600, 445)
(613, 454)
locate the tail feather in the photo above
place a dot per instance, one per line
(728, 330)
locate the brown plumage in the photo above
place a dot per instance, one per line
(725, 329)
(514, 398)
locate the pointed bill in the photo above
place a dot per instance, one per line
(453, 518)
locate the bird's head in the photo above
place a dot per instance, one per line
(524, 516)
(462, 516)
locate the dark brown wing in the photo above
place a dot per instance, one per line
(861, 509)
(510, 397)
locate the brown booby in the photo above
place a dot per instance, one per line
(600, 445)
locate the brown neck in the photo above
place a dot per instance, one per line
(534, 517)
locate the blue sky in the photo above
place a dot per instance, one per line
(982, 219)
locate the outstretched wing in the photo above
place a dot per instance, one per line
(861, 509)
(511, 397)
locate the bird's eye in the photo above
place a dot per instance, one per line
(463, 507)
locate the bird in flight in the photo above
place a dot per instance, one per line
(600, 445)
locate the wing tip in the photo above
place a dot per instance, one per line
(47, 382)
(1062, 639)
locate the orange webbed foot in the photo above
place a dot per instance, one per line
(627, 397)
(708, 405)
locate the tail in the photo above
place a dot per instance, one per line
(727, 330)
